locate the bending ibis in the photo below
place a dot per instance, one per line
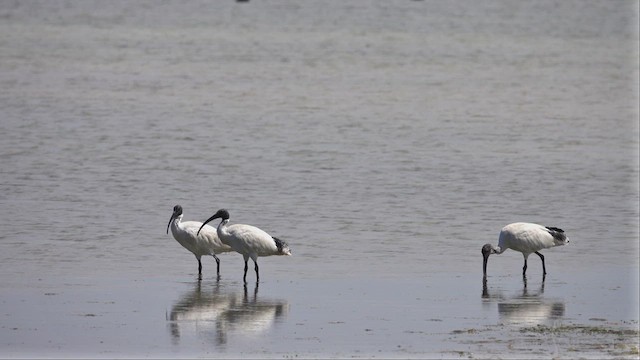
(247, 240)
(188, 235)
(526, 238)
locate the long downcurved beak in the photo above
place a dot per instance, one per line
(173, 216)
(484, 264)
(215, 216)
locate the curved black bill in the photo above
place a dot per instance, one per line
(170, 220)
(215, 216)
(484, 264)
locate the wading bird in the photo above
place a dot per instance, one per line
(188, 235)
(248, 240)
(526, 238)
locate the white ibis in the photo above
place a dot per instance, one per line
(188, 235)
(526, 238)
(248, 240)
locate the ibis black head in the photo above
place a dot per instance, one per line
(220, 214)
(177, 211)
(487, 250)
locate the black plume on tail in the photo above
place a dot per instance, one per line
(557, 233)
(279, 243)
(555, 229)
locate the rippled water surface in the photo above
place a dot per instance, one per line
(385, 141)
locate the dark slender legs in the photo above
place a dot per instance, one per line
(246, 267)
(544, 269)
(217, 263)
(257, 274)
(200, 266)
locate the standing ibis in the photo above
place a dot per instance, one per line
(248, 240)
(526, 238)
(188, 235)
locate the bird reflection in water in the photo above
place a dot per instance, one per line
(215, 312)
(528, 308)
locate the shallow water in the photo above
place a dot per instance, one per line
(384, 141)
(438, 316)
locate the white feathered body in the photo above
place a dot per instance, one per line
(206, 243)
(528, 238)
(247, 240)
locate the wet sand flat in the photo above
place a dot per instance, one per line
(437, 317)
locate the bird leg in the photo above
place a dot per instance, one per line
(257, 274)
(217, 262)
(199, 269)
(246, 266)
(524, 268)
(544, 270)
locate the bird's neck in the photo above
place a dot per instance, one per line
(175, 224)
(223, 233)
(498, 250)
(222, 228)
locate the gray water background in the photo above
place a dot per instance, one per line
(380, 139)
